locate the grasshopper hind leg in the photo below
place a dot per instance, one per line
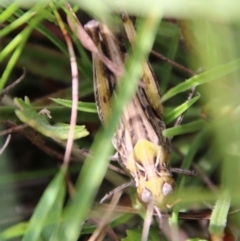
(117, 189)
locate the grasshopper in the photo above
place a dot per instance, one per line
(142, 149)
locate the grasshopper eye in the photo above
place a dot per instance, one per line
(146, 196)
(166, 189)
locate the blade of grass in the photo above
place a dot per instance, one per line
(18, 43)
(82, 106)
(211, 75)
(8, 12)
(184, 129)
(170, 116)
(219, 216)
(53, 194)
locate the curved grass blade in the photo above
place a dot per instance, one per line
(203, 78)
(219, 216)
(17, 44)
(184, 129)
(82, 106)
(8, 12)
(179, 110)
(54, 194)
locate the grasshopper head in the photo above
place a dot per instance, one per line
(158, 191)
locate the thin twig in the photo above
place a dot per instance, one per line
(180, 118)
(74, 71)
(190, 215)
(5, 144)
(31, 136)
(99, 232)
(147, 222)
(13, 129)
(173, 63)
(88, 43)
(9, 87)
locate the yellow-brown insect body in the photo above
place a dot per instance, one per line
(145, 157)
(142, 149)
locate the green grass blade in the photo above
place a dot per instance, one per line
(17, 23)
(179, 110)
(17, 43)
(184, 129)
(53, 194)
(219, 215)
(82, 106)
(8, 12)
(213, 74)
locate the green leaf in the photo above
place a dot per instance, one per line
(133, 235)
(180, 109)
(15, 231)
(82, 106)
(213, 74)
(18, 43)
(136, 235)
(184, 129)
(10, 10)
(48, 210)
(219, 215)
(27, 114)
